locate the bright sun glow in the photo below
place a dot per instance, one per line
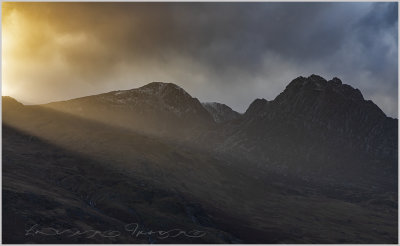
(11, 30)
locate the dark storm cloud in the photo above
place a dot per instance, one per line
(228, 52)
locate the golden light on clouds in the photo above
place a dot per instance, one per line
(10, 28)
(33, 52)
(49, 52)
(63, 50)
(23, 50)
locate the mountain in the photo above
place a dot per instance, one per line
(317, 127)
(220, 112)
(318, 164)
(157, 108)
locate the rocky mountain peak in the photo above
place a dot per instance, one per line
(322, 126)
(162, 89)
(315, 85)
(160, 108)
(220, 112)
(315, 95)
(161, 95)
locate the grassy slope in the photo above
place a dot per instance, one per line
(47, 185)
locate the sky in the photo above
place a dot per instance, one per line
(225, 52)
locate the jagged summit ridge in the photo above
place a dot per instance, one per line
(317, 97)
(306, 94)
(317, 83)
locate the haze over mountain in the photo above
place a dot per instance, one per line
(159, 108)
(318, 164)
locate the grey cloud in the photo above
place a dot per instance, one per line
(229, 52)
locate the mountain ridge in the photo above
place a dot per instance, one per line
(152, 87)
(313, 121)
(324, 160)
